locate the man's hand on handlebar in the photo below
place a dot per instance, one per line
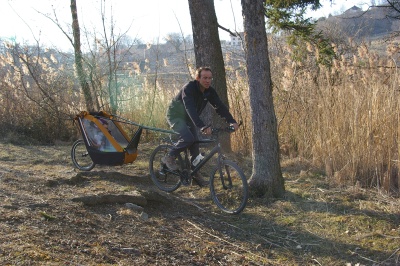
(235, 126)
(208, 130)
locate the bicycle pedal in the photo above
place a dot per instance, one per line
(185, 181)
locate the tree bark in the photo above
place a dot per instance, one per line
(266, 179)
(208, 52)
(78, 58)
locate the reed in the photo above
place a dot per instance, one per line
(344, 118)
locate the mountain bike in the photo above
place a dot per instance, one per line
(228, 184)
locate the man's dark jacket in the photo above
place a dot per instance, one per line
(190, 102)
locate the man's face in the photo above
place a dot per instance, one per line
(205, 79)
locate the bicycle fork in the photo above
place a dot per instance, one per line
(226, 182)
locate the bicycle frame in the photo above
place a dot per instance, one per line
(187, 167)
(215, 150)
(187, 172)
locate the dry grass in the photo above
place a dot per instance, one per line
(343, 118)
(315, 224)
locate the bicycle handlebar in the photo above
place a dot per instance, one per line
(229, 129)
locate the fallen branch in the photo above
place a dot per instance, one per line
(110, 198)
(397, 250)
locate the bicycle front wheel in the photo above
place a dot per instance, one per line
(228, 187)
(80, 156)
(159, 173)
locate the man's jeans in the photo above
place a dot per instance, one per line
(187, 136)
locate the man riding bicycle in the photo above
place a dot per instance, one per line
(183, 116)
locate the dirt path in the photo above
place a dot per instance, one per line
(42, 224)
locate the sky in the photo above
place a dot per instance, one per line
(149, 20)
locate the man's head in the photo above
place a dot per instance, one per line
(204, 77)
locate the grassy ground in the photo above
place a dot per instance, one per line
(315, 224)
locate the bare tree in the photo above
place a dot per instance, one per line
(176, 40)
(35, 91)
(266, 176)
(78, 57)
(207, 48)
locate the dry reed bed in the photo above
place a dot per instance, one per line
(344, 118)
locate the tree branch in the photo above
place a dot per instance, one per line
(227, 30)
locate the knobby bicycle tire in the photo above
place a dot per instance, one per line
(163, 179)
(80, 156)
(230, 197)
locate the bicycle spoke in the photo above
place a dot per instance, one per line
(229, 188)
(80, 156)
(163, 178)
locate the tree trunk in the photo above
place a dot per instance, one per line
(78, 58)
(208, 52)
(266, 179)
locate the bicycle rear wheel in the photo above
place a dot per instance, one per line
(80, 156)
(159, 173)
(228, 187)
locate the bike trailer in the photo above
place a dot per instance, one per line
(106, 141)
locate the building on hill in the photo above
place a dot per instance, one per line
(235, 41)
(359, 25)
(353, 10)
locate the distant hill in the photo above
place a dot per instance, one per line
(356, 23)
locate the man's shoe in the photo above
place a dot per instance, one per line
(200, 180)
(170, 162)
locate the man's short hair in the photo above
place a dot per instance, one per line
(200, 69)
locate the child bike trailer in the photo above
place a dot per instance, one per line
(103, 141)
